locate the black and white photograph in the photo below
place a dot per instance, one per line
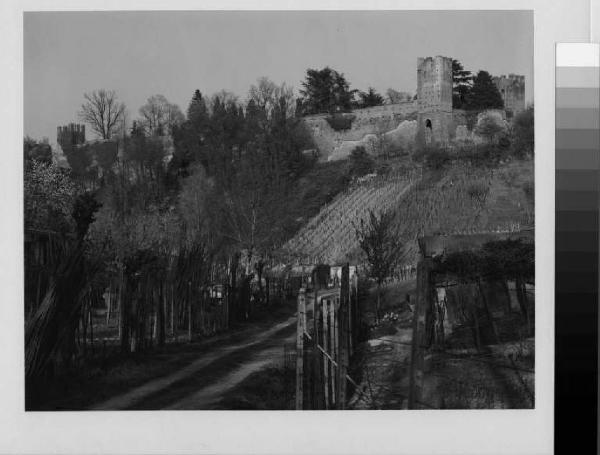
(278, 210)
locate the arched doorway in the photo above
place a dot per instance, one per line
(428, 131)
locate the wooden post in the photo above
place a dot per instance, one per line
(300, 350)
(343, 335)
(332, 347)
(324, 311)
(316, 377)
(336, 339)
(420, 332)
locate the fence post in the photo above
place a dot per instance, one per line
(325, 304)
(419, 336)
(300, 350)
(332, 348)
(343, 334)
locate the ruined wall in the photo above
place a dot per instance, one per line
(367, 122)
(512, 89)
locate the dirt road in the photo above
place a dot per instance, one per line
(208, 378)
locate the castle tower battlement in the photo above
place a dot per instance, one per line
(70, 135)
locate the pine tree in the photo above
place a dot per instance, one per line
(370, 98)
(462, 83)
(197, 113)
(484, 94)
(325, 91)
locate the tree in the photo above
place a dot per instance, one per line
(159, 116)
(523, 130)
(267, 95)
(395, 96)
(490, 125)
(49, 195)
(370, 98)
(102, 111)
(325, 91)
(379, 241)
(197, 112)
(484, 93)
(462, 83)
(39, 151)
(360, 162)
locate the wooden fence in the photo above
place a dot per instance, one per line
(328, 319)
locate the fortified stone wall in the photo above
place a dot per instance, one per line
(368, 121)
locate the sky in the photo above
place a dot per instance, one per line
(140, 54)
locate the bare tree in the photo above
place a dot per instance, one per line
(159, 116)
(379, 241)
(266, 94)
(102, 111)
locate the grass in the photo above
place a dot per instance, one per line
(107, 372)
(268, 389)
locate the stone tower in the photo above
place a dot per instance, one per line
(434, 99)
(512, 89)
(70, 136)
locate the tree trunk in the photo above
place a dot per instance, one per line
(189, 312)
(123, 315)
(378, 303)
(162, 305)
(487, 311)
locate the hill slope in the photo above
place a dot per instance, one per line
(458, 198)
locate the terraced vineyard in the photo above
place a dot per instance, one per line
(330, 236)
(457, 199)
(465, 200)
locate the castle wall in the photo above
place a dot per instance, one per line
(368, 121)
(512, 89)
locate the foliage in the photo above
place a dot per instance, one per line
(340, 122)
(49, 195)
(361, 162)
(378, 240)
(395, 96)
(500, 259)
(462, 84)
(370, 98)
(325, 91)
(102, 111)
(84, 208)
(38, 151)
(523, 130)
(490, 125)
(432, 156)
(197, 112)
(484, 94)
(159, 117)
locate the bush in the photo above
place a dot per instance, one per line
(523, 130)
(361, 162)
(340, 122)
(432, 156)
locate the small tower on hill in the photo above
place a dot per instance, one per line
(434, 99)
(70, 136)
